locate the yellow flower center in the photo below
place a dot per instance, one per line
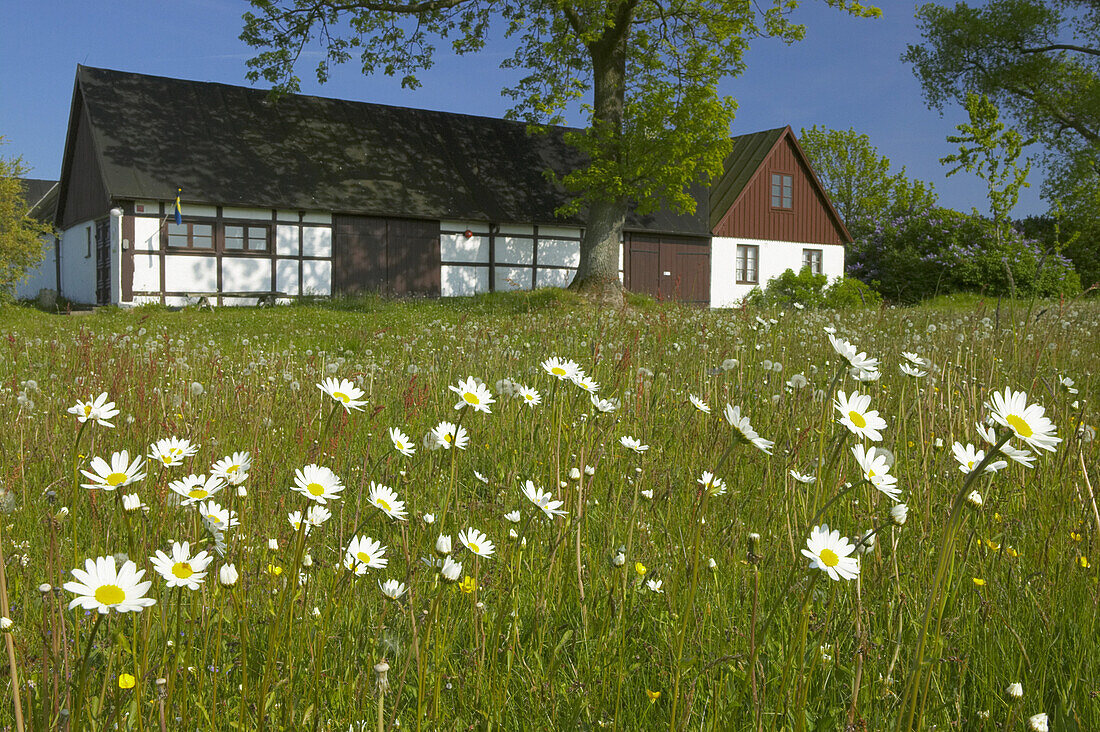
(182, 570)
(448, 438)
(166, 459)
(557, 371)
(197, 493)
(315, 489)
(213, 518)
(857, 419)
(870, 474)
(341, 396)
(233, 468)
(1022, 428)
(474, 548)
(529, 397)
(381, 503)
(87, 410)
(829, 558)
(116, 479)
(970, 465)
(175, 451)
(364, 557)
(471, 398)
(109, 594)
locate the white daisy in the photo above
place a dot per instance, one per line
(385, 499)
(875, 467)
(654, 585)
(218, 517)
(542, 501)
(317, 483)
(831, 553)
(631, 443)
(699, 404)
(910, 370)
(401, 442)
(474, 395)
(448, 435)
(346, 393)
(103, 588)
(968, 458)
(586, 382)
(476, 542)
(604, 406)
(98, 410)
(745, 431)
(195, 488)
(528, 396)
(561, 368)
(451, 570)
(233, 469)
(171, 451)
(115, 474)
(181, 569)
(857, 417)
(1010, 451)
(803, 478)
(393, 589)
(364, 552)
(1027, 421)
(860, 361)
(711, 484)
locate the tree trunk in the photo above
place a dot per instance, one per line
(598, 272)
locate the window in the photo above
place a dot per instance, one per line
(747, 259)
(88, 243)
(241, 237)
(190, 236)
(782, 185)
(812, 258)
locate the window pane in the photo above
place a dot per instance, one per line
(177, 241)
(202, 242)
(257, 238)
(201, 229)
(177, 229)
(237, 232)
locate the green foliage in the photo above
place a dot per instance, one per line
(656, 125)
(858, 179)
(990, 151)
(809, 290)
(911, 258)
(21, 246)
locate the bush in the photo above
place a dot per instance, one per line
(813, 291)
(913, 257)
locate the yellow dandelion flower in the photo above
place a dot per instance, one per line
(1075, 536)
(126, 681)
(992, 545)
(468, 584)
(1083, 562)
(640, 569)
(653, 695)
(1011, 552)
(979, 582)
(274, 569)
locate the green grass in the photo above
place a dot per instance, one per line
(552, 634)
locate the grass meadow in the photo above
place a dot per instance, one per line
(650, 597)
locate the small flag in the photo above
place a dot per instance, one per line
(179, 209)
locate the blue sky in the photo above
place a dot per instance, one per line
(846, 73)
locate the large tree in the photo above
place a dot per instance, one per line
(1038, 61)
(21, 245)
(656, 124)
(859, 180)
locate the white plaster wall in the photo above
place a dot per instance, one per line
(42, 276)
(190, 273)
(317, 217)
(459, 280)
(512, 278)
(258, 214)
(554, 277)
(246, 274)
(146, 273)
(316, 241)
(286, 277)
(286, 241)
(78, 269)
(775, 257)
(146, 234)
(459, 248)
(515, 250)
(316, 277)
(558, 252)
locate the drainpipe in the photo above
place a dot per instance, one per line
(116, 255)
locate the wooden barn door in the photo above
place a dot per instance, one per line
(103, 262)
(668, 267)
(358, 255)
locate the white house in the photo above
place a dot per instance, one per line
(308, 195)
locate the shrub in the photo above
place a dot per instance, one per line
(813, 291)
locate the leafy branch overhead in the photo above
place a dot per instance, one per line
(656, 124)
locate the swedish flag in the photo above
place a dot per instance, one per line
(179, 209)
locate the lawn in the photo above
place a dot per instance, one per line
(652, 596)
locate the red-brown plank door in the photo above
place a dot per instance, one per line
(642, 265)
(359, 261)
(685, 272)
(413, 256)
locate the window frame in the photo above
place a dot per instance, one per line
(245, 225)
(816, 261)
(741, 264)
(784, 178)
(190, 247)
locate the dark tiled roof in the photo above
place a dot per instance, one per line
(232, 145)
(746, 156)
(41, 197)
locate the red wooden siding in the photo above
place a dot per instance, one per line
(808, 221)
(686, 260)
(84, 195)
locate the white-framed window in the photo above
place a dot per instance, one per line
(88, 243)
(812, 258)
(748, 260)
(782, 191)
(242, 237)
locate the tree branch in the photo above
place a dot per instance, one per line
(1062, 47)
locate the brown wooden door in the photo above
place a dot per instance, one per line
(668, 268)
(358, 255)
(412, 247)
(642, 266)
(103, 262)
